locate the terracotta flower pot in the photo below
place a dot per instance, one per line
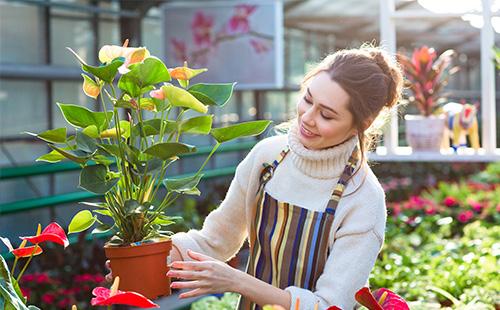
(142, 268)
(424, 134)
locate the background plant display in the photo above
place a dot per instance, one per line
(442, 246)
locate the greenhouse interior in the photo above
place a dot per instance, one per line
(140, 140)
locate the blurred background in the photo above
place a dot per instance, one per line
(282, 40)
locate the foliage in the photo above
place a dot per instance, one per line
(228, 301)
(127, 160)
(426, 76)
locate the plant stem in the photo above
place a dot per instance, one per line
(14, 266)
(216, 146)
(27, 263)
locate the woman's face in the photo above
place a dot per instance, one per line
(323, 118)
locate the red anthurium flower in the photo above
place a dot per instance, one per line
(27, 252)
(21, 251)
(52, 233)
(333, 308)
(381, 299)
(390, 300)
(108, 297)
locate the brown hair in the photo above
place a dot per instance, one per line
(374, 83)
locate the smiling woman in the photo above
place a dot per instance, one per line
(310, 245)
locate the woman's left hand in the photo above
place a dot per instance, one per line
(204, 275)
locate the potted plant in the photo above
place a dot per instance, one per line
(426, 75)
(126, 160)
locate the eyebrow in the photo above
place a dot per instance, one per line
(322, 105)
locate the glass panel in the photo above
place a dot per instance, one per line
(151, 33)
(28, 97)
(76, 34)
(21, 27)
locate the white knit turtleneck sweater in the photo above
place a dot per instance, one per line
(305, 178)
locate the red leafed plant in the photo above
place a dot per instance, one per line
(426, 76)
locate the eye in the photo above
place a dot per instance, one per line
(326, 117)
(307, 100)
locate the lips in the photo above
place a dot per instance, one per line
(306, 133)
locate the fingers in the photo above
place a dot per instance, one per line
(109, 276)
(186, 284)
(198, 266)
(185, 275)
(198, 256)
(194, 293)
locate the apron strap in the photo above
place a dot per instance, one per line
(267, 172)
(342, 183)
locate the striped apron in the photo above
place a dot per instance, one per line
(288, 243)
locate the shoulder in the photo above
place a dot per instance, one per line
(363, 206)
(267, 149)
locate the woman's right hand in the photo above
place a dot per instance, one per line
(109, 276)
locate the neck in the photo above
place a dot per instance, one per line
(324, 163)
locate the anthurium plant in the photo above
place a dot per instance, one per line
(426, 75)
(126, 159)
(11, 296)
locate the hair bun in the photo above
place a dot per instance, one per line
(393, 72)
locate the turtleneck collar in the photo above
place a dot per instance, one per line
(320, 164)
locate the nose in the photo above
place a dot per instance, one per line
(308, 116)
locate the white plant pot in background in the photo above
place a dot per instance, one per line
(424, 134)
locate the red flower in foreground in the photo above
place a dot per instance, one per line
(381, 299)
(22, 251)
(52, 233)
(108, 297)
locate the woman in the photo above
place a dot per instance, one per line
(313, 211)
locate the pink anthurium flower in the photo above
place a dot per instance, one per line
(381, 299)
(108, 297)
(158, 94)
(52, 233)
(22, 251)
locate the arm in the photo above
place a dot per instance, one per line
(224, 229)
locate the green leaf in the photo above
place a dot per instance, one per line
(106, 72)
(91, 131)
(185, 185)
(102, 228)
(197, 125)
(82, 117)
(170, 149)
(52, 157)
(133, 207)
(180, 97)
(81, 221)
(53, 135)
(85, 143)
(245, 129)
(111, 149)
(95, 179)
(213, 94)
(104, 212)
(142, 75)
(74, 155)
(8, 294)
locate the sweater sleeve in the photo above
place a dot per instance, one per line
(352, 257)
(224, 229)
